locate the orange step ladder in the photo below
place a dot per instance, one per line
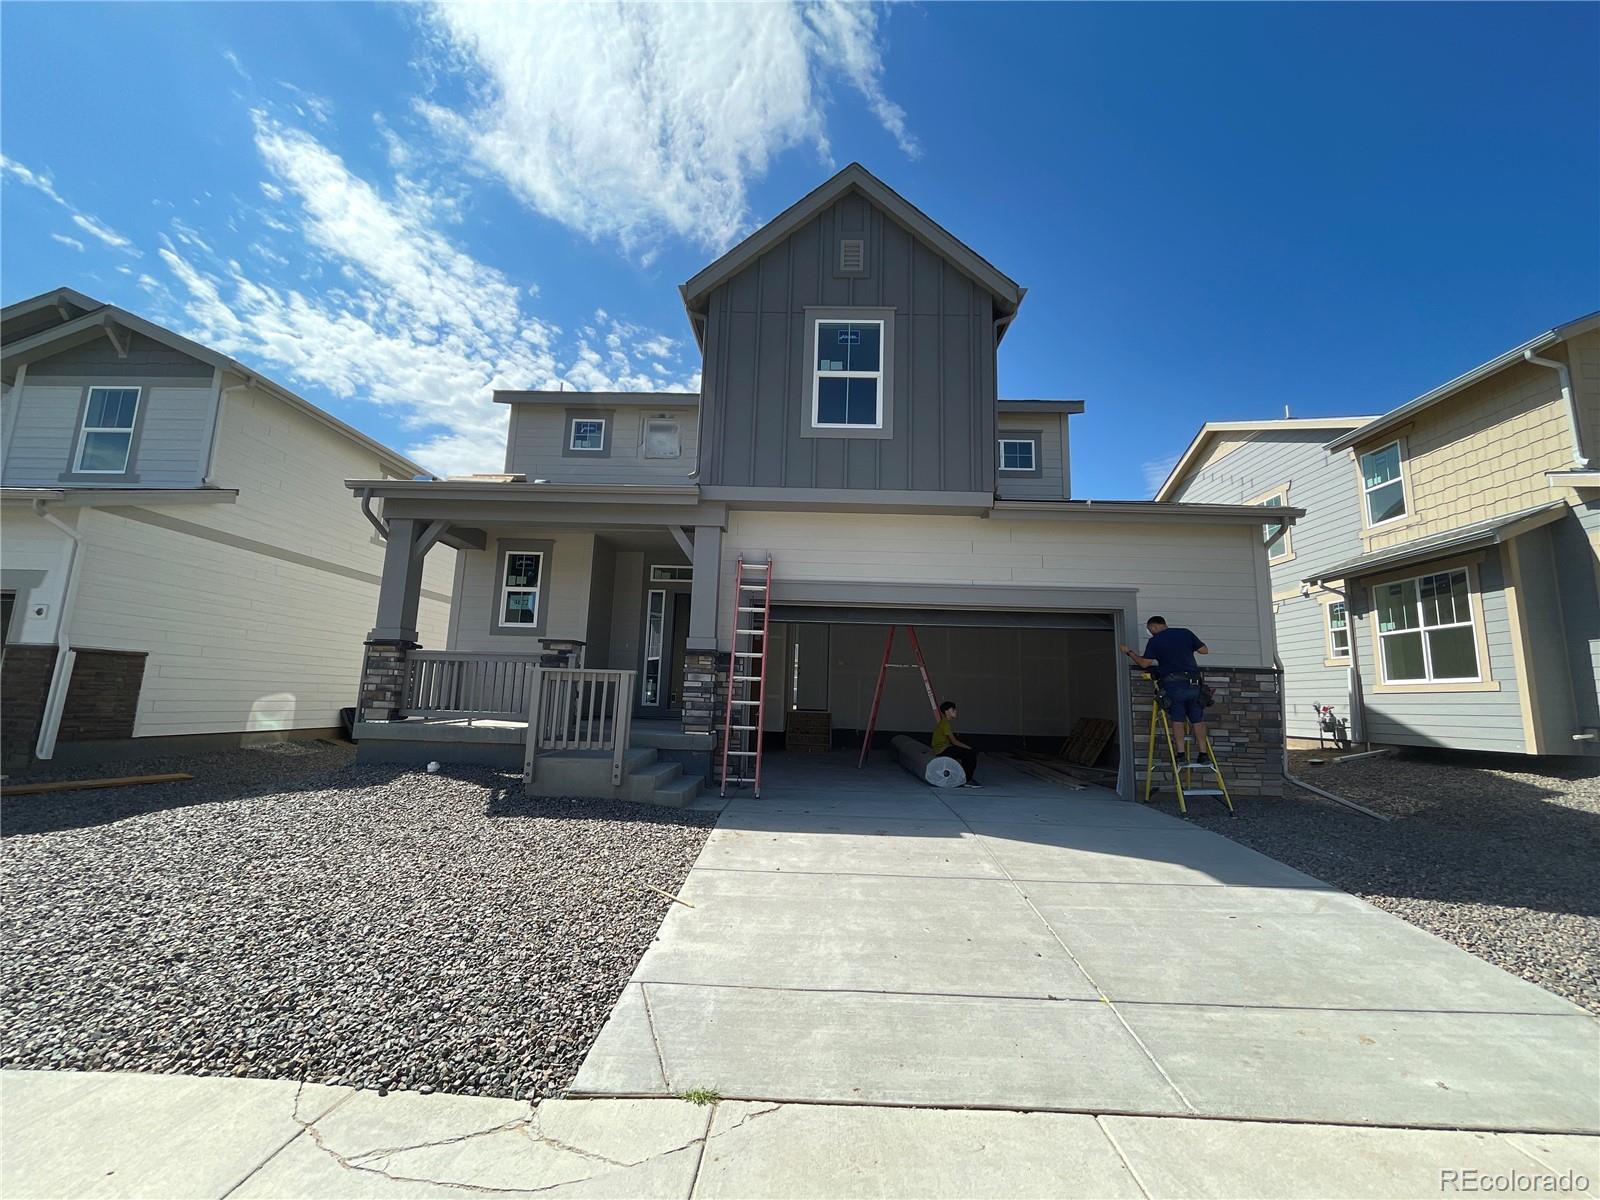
(921, 666)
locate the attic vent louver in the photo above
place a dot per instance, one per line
(852, 254)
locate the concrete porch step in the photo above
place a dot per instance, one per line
(646, 778)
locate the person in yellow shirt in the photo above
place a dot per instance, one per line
(947, 744)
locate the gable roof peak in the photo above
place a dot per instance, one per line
(854, 178)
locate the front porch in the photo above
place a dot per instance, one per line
(613, 601)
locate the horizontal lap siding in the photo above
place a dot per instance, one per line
(539, 433)
(42, 434)
(1195, 575)
(240, 639)
(1458, 720)
(1324, 485)
(1052, 481)
(564, 591)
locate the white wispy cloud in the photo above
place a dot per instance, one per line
(412, 321)
(635, 121)
(73, 242)
(1156, 472)
(41, 182)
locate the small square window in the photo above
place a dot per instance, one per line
(1018, 454)
(588, 433)
(662, 439)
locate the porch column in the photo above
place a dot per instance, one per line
(383, 667)
(703, 596)
(702, 666)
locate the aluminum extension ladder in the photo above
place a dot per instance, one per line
(921, 667)
(747, 676)
(1181, 770)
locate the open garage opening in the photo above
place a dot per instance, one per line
(1025, 682)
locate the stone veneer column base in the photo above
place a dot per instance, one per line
(24, 684)
(1245, 724)
(383, 681)
(705, 696)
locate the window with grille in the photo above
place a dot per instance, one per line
(1425, 629)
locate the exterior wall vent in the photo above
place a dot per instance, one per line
(852, 256)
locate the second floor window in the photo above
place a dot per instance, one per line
(588, 433)
(1017, 454)
(1279, 549)
(848, 388)
(1384, 490)
(107, 439)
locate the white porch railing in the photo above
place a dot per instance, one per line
(456, 683)
(576, 708)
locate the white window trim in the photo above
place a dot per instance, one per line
(1033, 453)
(1286, 542)
(818, 374)
(665, 574)
(1471, 623)
(659, 657)
(1334, 653)
(507, 590)
(572, 435)
(1405, 488)
(87, 429)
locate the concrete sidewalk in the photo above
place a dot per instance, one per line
(160, 1136)
(858, 937)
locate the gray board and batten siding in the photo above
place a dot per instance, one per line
(1322, 484)
(538, 441)
(172, 430)
(757, 383)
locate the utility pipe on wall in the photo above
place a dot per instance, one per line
(61, 677)
(1573, 429)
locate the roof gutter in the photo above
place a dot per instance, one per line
(378, 522)
(1574, 431)
(61, 676)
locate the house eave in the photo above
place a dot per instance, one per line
(117, 497)
(1202, 439)
(1493, 532)
(601, 399)
(1145, 511)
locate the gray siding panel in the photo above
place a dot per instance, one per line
(1324, 485)
(1458, 720)
(1555, 663)
(538, 433)
(1573, 542)
(1051, 484)
(757, 383)
(99, 359)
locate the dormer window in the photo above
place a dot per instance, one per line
(106, 441)
(588, 433)
(1017, 454)
(849, 354)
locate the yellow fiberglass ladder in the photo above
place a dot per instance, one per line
(747, 676)
(1182, 773)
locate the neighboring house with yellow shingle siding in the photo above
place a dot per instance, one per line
(1470, 599)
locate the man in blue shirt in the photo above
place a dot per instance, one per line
(1169, 656)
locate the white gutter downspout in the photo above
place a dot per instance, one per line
(1573, 429)
(61, 676)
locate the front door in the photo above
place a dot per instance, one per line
(666, 634)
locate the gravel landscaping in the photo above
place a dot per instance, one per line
(290, 914)
(1500, 857)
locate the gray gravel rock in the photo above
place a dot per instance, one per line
(289, 914)
(1501, 857)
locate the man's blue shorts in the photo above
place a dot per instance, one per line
(1183, 699)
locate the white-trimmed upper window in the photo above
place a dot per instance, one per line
(1280, 549)
(1018, 454)
(1382, 485)
(847, 384)
(107, 437)
(1425, 629)
(587, 433)
(1338, 630)
(519, 587)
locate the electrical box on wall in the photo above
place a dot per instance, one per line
(39, 610)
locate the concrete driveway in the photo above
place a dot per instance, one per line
(859, 937)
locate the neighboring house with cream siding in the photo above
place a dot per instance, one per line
(850, 428)
(180, 524)
(1467, 527)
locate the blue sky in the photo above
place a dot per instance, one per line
(1218, 211)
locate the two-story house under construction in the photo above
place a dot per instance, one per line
(850, 432)
(180, 565)
(1443, 588)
